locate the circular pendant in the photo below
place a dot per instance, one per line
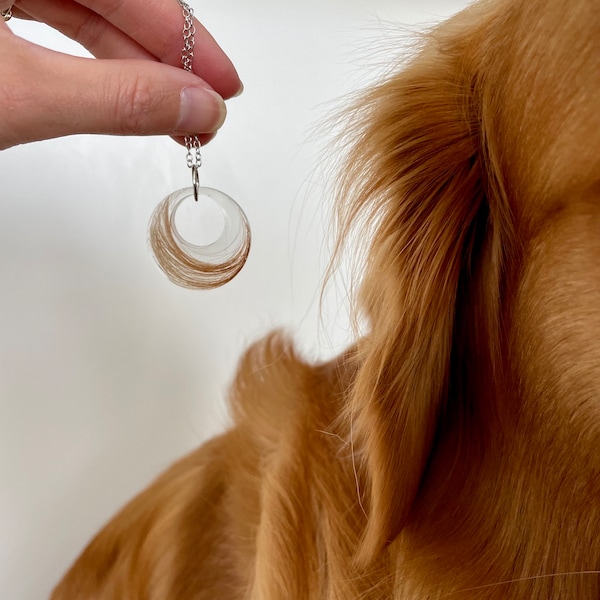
(199, 266)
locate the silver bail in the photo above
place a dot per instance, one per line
(195, 181)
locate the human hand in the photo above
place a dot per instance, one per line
(137, 87)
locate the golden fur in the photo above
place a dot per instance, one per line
(454, 452)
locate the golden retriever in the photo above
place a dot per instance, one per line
(454, 451)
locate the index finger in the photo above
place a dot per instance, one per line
(157, 26)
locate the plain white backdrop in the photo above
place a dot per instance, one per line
(108, 372)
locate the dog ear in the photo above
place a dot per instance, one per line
(417, 181)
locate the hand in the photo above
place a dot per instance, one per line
(137, 87)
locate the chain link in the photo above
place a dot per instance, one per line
(189, 33)
(7, 14)
(192, 143)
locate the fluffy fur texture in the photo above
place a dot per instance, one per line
(454, 452)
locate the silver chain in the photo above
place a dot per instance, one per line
(189, 31)
(192, 142)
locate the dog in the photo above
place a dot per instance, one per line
(454, 450)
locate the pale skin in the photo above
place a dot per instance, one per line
(135, 87)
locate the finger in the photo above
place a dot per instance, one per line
(48, 94)
(88, 28)
(156, 26)
(19, 14)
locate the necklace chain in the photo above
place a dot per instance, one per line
(7, 14)
(189, 31)
(192, 143)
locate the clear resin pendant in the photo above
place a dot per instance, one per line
(200, 266)
(193, 265)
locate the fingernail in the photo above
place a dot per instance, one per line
(240, 91)
(201, 111)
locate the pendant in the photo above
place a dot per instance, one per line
(199, 266)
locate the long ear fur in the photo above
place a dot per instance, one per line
(418, 178)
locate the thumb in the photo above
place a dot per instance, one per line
(46, 94)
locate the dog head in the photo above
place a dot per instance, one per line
(477, 170)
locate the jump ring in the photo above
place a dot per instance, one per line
(7, 14)
(195, 181)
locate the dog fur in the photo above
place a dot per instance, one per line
(454, 451)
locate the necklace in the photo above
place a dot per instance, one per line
(186, 264)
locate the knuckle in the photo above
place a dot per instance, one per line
(134, 103)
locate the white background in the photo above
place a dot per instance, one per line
(108, 372)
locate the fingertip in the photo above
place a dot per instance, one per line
(215, 66)
(201, 111)
(240, 91)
